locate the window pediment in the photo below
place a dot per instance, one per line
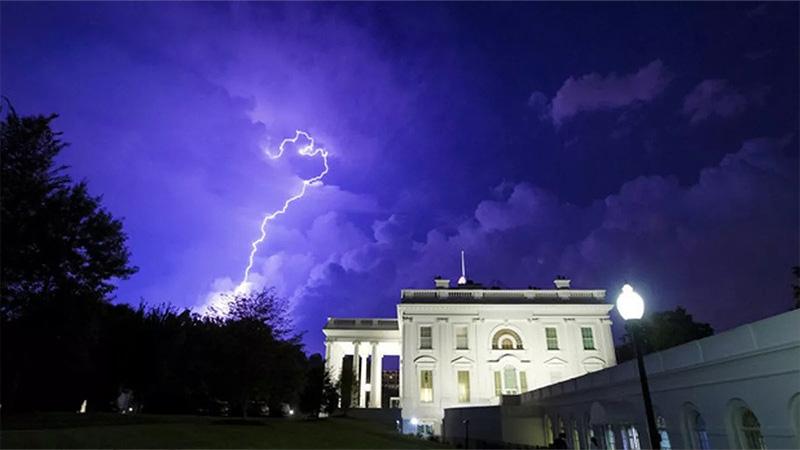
(462, 361)
(555, 361)
(424, 359)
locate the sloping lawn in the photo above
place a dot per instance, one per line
(150, 431)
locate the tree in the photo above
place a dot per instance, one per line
(311, 398)
(260, 360)
(57, 239)
(662, 330)
(61, 252)
(796, 286)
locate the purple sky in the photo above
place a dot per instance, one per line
(654, 143)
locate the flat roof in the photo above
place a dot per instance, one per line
(504, 296)
(334, 323)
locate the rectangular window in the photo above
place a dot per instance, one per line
(498, 383)
(426, 386)
(463, 386)
(425, 337)
(588, 338)
(552, 338)
(462, 341)
(523, 381)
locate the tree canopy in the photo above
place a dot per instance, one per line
(57, 239)
(662, 330)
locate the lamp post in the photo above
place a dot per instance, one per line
(631, 307)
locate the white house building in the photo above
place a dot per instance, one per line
(468, 345)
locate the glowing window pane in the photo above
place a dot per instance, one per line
(463, 386)
(426, 386)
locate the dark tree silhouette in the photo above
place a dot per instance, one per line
(57, 239)
(61, 252)
(796, 286)
(262, 362)
(662, 330)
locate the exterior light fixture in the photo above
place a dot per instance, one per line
(631, 307)
(630, 304)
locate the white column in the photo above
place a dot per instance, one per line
(356, 388)
(362, 388)
(377, 377)
(335, 361)
(328, 355)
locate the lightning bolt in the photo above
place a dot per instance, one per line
(307, 150)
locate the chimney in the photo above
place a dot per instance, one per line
(561, 282)
(441, 283)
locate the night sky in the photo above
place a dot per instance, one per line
(653, 143)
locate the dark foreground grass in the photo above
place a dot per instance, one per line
(151, 431)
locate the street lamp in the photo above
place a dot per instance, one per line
(631, 307)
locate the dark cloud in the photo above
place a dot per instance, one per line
(596, 92)
(717, 98)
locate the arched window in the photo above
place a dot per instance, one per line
(751, 430)
(507, 340)
(744, 426)
(696, 435)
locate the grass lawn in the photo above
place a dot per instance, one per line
(151, 431)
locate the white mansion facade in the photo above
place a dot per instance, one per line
(469, 345)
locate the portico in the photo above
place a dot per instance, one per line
(367, 341)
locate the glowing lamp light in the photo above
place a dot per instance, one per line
(630, 304)
(291, 412)
(414, 421)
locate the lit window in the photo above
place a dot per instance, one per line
(610, 441)
(588, 338)
(462, 342)
(661, 423)
(523, 381)
(425, 337)
(463, 386)
(426, 386)
(498, 383)
(548, 430)
(630, 438)
(500, 338)
(552, 338)
(576, 438)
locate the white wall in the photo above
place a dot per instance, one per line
(483, 321)
(757, 364)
